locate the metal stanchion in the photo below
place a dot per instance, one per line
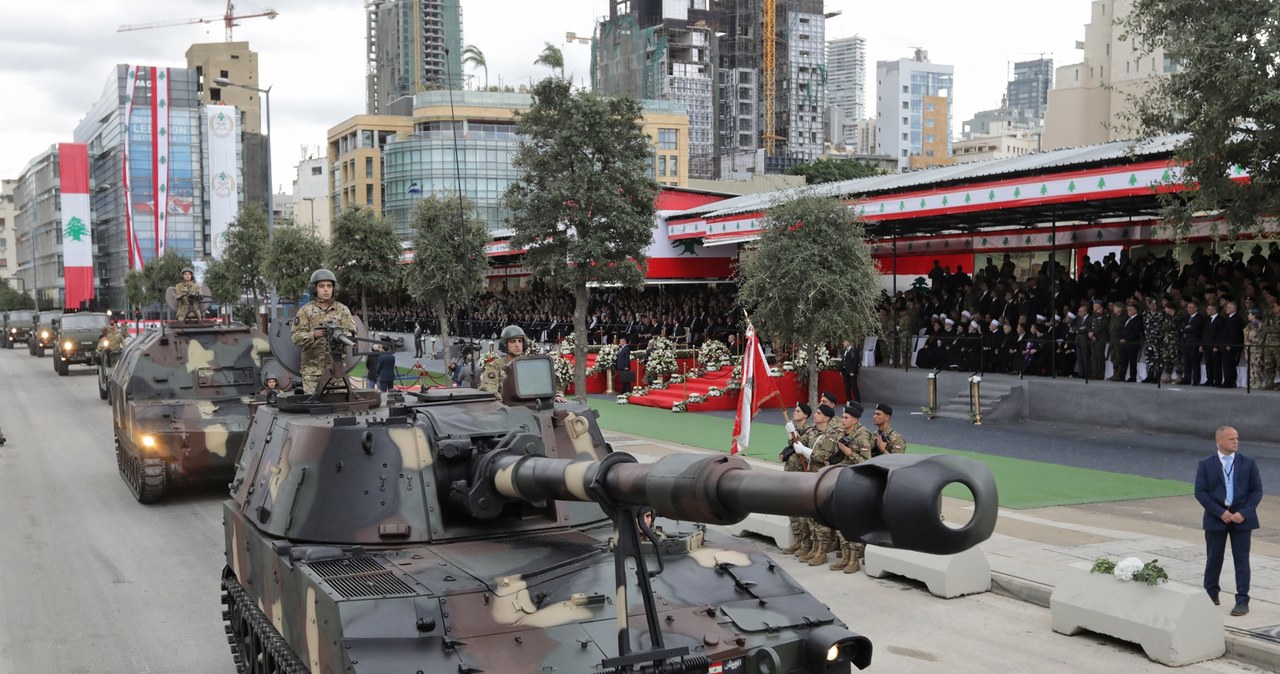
(975, 399)
(608, 382)
(933, 393)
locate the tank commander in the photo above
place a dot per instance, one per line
(188, 295)
(310, 323)
(513, 343)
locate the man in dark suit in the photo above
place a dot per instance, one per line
(1232, 343)
(1212, 350)
(623, 366)
(1192, 345)
(1130, 344)
(1229, 487)
(850, 364)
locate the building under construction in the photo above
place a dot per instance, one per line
(750, 72)
(411, 46)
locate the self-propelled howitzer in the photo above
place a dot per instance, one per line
(462, 532)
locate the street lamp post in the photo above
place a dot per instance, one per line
(271, 192)
(311, 203)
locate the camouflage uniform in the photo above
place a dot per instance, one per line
(315, 353)
(906, 330)
(491, 374)
(1270, 350)
(1253, 351)
(1152, 339)
(895, 444)
(824, 448)
(1169, 356)
(1099, 324)
(188, 295)
(860, 439)
(796, 463)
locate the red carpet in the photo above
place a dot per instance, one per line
(675, 393)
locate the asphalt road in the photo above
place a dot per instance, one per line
(93, 582)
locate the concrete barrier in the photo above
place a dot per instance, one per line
(1175, 624)
(946, 576)
(776, 527)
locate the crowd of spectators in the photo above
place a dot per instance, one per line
(1174, 317)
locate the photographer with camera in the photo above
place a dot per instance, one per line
(321, 329)
(887, 440)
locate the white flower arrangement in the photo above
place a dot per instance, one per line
(714, 392)
(801, 360)
(695, 399)
(605, 359)
(567, 344)
(1126, 567)
(712, 353)
(658, 386)
(679, 407)
(622, 399)
(1132, 568)
(677, 379)
(775, 372)
(788, 366)
(661, 358)
(564, 371)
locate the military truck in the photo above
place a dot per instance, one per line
(180, 403)
(42, 332)
(457, 531)
(17, 327)
(75, 339)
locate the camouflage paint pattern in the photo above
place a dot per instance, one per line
(188, 386)
(454, 532)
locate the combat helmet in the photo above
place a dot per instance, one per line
(322, 275)
(509, 333)
(188, 270)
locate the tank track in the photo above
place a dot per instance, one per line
(147, 477)
(255, 644)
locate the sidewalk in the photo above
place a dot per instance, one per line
(1031, 547)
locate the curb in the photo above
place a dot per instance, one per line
(1242, 645)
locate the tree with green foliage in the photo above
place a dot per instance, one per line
(1224, 93)
(448, 255)
(832, 170)
(552, 58)
(240, 262)
(366, 258)
(135, 289)
(583, 205)
(293, 254)
(811, 280)
(159, 274)
(13, 300)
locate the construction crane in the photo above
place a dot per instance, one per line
(770, 30)
(228, 19)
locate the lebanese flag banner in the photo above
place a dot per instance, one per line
(77, 234)
(756, 385)
(133, 75)
(160, 154)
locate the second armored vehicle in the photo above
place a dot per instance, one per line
(180, 403)
(457, 531)
(17, 327)
(75, 339)
(42, 332)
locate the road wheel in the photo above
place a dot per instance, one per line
(102, 389)
(39, 351)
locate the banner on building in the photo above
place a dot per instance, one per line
(160, 154)
(221, 122)
(146, 184)
(77, 229)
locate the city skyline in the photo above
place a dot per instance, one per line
(313, 55)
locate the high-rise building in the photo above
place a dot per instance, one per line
(237, 63)
(846, 84)
(146, 162)
(427, 159)
(411, 46)
(355, 160)
(1090, 100)
(913, 111)
(8, 244)
(1027, 94)
(38, 230)
(710, 56)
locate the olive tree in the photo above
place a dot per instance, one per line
(448, 255)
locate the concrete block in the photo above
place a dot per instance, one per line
(776, 527)
(1175, 624)
(946, 576)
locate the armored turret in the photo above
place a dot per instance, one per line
(455, 530)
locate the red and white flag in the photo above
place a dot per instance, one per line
(757, 389)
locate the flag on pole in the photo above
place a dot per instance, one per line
(757, 388)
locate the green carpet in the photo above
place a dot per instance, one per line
(1022, 484)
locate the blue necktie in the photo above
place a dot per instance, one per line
(1228, 470)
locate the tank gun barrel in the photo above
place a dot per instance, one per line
(892, 500)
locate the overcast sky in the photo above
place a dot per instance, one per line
(56, 56)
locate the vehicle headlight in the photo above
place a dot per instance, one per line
(149, 441)
(831, 645)
(44, 334)
(68, 345)
(104, 343)
(13, 331)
